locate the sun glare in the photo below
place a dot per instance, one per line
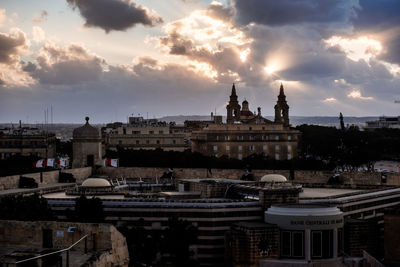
(270, 69)
(243, 54)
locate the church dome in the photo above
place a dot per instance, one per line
(273, 178)
(86, 131)
(96, 182)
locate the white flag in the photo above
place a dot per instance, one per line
(50, 162)
(39, 163)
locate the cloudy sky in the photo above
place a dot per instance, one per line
(112, 58)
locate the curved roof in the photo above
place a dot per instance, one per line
(246, 113)
(96, 182)
(273, 178)
(86, 131)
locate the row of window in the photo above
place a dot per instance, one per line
(252, 148)
(139, 132)
(147, 142)
(321, 244)
(251, 137)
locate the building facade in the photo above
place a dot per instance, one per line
(27, 141)
(146, 134)
(246, 133)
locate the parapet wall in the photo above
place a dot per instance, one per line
(48, 177)
(301, 176)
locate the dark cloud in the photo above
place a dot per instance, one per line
(41, 17)
(10, 45)
(284, 12)
(381, 18)
(114, 15)
(219, 11)
(65, 65)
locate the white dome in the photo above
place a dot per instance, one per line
(273, 178)
(96, 182)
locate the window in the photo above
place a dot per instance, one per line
(151, 132)
(160, 132)
(251, 137)
(158, 142)
(147, 142)
(240, 148)
(340, 241)
(263, 128)
(265, 147)
(227, 137)
(250, 128)
(277, 147)
(292, 244)
(174, 142)
(137, 142)
(285, 244)
(217, 137)
(227, 148)
(297, 244)
(316, 244)
(124, 130)
(321, 244)
(215, 148)
(120, 142)
(289, 147)
(240, 156)
(276, 156)
(276, 137)
(251, 148)
(289, 156)
(289, 137)
(136, 132)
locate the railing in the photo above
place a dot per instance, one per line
(51, 253)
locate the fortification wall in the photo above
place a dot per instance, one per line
(301, 176)
(48, 177)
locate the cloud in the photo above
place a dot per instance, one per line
(330, 100)
(38, 34)
(65, 65)
(219, 11)
(356, 94)
(11, 45)
(114, 15)
(381, 18)
(39, 18)
(289, 12)
(2, 16)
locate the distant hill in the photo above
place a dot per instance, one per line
(294, 120)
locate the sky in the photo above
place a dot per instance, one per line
(109, 59)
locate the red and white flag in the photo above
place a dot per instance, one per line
(111, 162)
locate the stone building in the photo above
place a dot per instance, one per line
(140, 133)
(86, 146)
(26, 141)
(246, 133)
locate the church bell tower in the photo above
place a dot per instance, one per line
(282, 108)
(233, 107)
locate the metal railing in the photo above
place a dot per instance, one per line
(51, 253)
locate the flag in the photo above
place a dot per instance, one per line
(111, 162)
(39, 163)
(50, 162)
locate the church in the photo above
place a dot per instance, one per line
(246, 132)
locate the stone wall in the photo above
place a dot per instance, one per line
(251, 242)
(48, 177)
(268, 197)
(101, 237)
(301, 176)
